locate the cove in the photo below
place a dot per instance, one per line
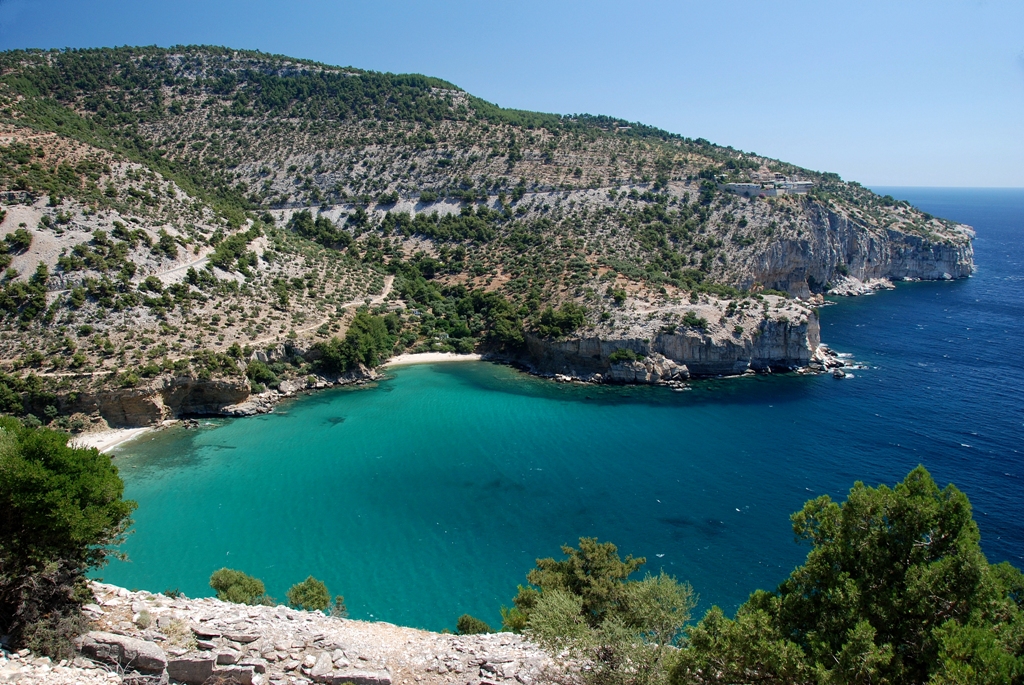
(431, 493)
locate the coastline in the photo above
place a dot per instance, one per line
(107, 440)
(430, 358)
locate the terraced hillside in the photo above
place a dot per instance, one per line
(172, 212)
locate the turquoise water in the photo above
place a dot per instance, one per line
(431, 494)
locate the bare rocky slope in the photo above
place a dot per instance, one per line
(175, 217)
(142, 637)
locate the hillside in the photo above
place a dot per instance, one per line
(199, 223)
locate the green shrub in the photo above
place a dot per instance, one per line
(470, 625)
(564, 321)
(691, 320)
(310, 595)
(239, 588)
(338, 608)
(586, 606)
(367, 342)
(622, 355)
(18, 241)
(63, 514)
(895, 589)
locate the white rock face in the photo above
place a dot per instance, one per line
(836, 245)
(728, 345)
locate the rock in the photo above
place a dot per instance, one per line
(322, 669)
(361, 677)
(193, 670)
(127, 652)
(227, 657)
(93, 609)
(838, 373)
(240, 674)
(290, 387)
(243, 638)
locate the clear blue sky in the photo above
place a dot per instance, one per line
(902, 92)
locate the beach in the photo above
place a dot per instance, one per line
(430, 358)
(108, 439)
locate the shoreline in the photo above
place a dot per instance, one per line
(430, 358)
(107, 440)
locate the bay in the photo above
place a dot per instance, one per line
(431, 493)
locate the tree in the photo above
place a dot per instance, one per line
(238, 587)
(584, 606)
(895, 589)
(563, 321)
(63, 514)
(310, 595)
(366, 342)
(470, 625)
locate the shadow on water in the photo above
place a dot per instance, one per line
(740, 390)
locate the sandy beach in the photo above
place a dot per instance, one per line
(430, 357)
(107, 440)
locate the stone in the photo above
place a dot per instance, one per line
(227, 657)
(193, 670)
(243, 638)
(127, 652)
(361, 677)
(323, 668)
(241, 674)
(205, 632)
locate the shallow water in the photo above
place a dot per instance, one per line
(431, 494)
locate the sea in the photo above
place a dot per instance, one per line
(431, 494)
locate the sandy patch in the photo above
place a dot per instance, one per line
(107, 440)
(430, 358)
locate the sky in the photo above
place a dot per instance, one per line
(910, 93)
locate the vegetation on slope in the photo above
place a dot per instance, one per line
(193, 206)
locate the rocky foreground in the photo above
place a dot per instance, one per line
(139, 637)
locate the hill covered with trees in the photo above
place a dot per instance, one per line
(172, 212)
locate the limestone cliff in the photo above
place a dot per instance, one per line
(166, 397)
(835, 245)
(767, 333)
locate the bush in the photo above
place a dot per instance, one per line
(586, 607)
(367, 342)
(18, 241)
(564, 321)
(63, 514)
(691, 320)
(622, 355)
(469, 625)
(239, 588)
(310, 595)
(895, 589)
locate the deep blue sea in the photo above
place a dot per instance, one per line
(431, 494)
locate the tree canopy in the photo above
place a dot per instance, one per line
(63, 514)
(894, 590)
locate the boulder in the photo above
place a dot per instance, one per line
(127, 652)
(193, 669)
(322, 669)
(361, 677)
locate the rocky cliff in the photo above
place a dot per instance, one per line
(835, 245)
(763, 333)
(140, 637)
